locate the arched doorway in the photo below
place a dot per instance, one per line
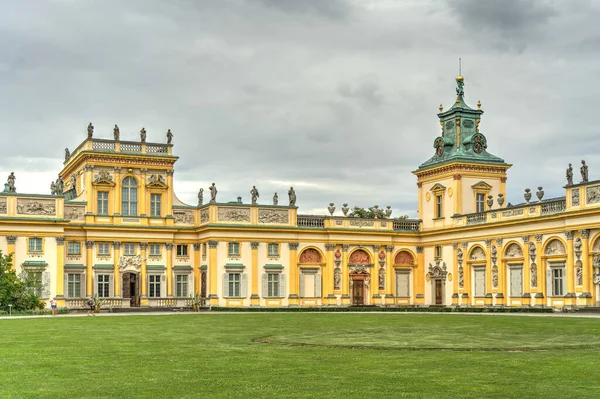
(131, 289)
(359, 265)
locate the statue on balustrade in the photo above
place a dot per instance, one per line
(169, 136)
(570, 175)
(90, 130)
(584, 172)
(213, 193)
(143, 135)
(254, 193)
(292, 196)
(200, 196)
(275, 199)
(116, 132)
(11, 183)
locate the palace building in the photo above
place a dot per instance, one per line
(113, 227)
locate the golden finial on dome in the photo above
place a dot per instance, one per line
(478, 104)
(441, 107)
(459, 78)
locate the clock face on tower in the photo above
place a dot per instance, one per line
(439, 146)
(479, 143)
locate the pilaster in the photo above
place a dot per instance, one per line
(60, 268)
(569, 298)
(586, 295)
(143, 279)
(255, 298)
(327, 272)
(169, 248)
(293, 298)
(345, 279)
(526, 297)
(455, 274)
(196, 268)
(419, 290)
(212, 271)
(501, 295)
(170, 193)
(117, 194)
(89, 286)
(389, 280)
(88, 176)
(488, 274)
(11, 241)
(143, 202)
(117, 269)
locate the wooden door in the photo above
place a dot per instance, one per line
(125, 286)
(134, 290)
(358, 292)
(438, 292)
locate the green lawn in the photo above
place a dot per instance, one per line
(258, 355)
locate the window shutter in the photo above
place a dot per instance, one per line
(66, 285)
(301, 285)
(317, 285)
(549, 283)
(111, 285)
(225, 285)
(282, 285)
(45, 284)
(95, 286)
(244, 285)
(82, 285)
(265, 287)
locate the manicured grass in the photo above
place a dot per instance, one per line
(313, 355)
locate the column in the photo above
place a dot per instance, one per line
(11, 241)
(117, 193)
(212, 271)
(170, 193)
(570, 269)
(117, 269)
(143, 206)
(585, 267)
(541, 272)
(196, 269)
(345, 276)
(255, 298)
(60, 269)
(143, 278)
(293, 297)
(458, 193)
(169, 247)
(500, 296)
(389, 272)
(455, 274)
(327, 275)
(88, 176)
(488, 273)
(89, 274)
(467, 271)
(420, 277)
(526, 297)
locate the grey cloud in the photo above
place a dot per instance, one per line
(334, 9)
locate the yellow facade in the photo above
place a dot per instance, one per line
(119, 231)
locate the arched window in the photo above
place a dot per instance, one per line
(129, 197)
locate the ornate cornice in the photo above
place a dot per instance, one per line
(499, 169)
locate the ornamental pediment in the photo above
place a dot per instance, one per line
(103, 178)
(438, 187)
(481, 186)
(156, 181)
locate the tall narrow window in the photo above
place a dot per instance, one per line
(102, 203)
(73, 285)
(234, 284)
(182, 285)
(155, 204)
(558, 282)
(129, 197)
(480, 202)
(273, 285)
(438, 206)
(438, 251)
(103, 286)
(154, 286)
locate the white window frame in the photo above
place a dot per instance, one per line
(100, 249)
(155, 250)
(559, 289)
(35, 244)
(155, 204)
(181, 285)
(74, 283)
(102, 200)
(182, 250)
(479, 202)
(103, 283)
(129, 197)
(155, 285)
(129, 249)
(230, 248)
(76, 246)
(273, 253)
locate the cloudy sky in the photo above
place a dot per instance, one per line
(336, 97)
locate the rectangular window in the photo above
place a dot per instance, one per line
(102, 203)
(74, 248)
(154, 285)
(234, 249)
(73, 285)
(273, 285)
(438, 206)
(438, 251)
(155, 204)
(273, 249)
(182, 285)
(34, 282)
(129, 249)
(35, 244)
(234, 284)
(154, 249)
(103, 285)
(182, 250)
(103, 249)
(516, 282)
(480, 202)
(402, 284)
(479, 282)
(558, 282)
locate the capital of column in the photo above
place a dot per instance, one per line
(11, 239)
(254, 244)
(170, 172)
(419, 249)
(213, 243)
(454, 245)
(585, 233)
(169, 246)
(569, 234)
(60, 240)
(329, 247)
(499, 241)
(143, 245)
(525, 239)
(116, 244)
(465, 244)
(196, 247)
(293, 245)
(488, 243)
(389, 248)
(345, 247)
(539, 237)
(89, 244)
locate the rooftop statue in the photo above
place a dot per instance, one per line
(11, 183)
(60, 186)
(143, 135)
(292, 196)
(460, 83)
(584, 172)
(67, 154)
(200, 196)
(90, 130)
(53, 188)
(569, 175)
(213, 193)
(169, 136)
(116, 132)
(275, 199)
(254, 193)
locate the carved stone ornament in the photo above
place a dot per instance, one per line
(584, 172)
(60, 240)
(539, 237)
(310, 255)
(183, 217)
(293, 246)
(532, 252)
(579, 275)
(494, 254)
(438, 270)
(11, 239)
(169, 246)
(361, 223)
(527, 195)
(157, 180)
(213, 244)
(404, 258)
(254, 244)
(540, 193)
(103, 176)
(204, 216)
(233, 214)
(345, 209)
(329, 247)
(89, 244)
(196, 247)
(514, 251)
(577, 247)
(130, 263)
(273, 216)
(3, 206)
(459, 256)
(356, 269)
(331, 208)
(477, 254)
(555, 247)
(495, 276)
(499, 241)
(465, 244)
(359, 257)
(488, 243)
(381, 278)
(569, 234)
(338, 255)
(143, 245)
(592, 194)
(525, 239)
(575, 196)
(116, 244)
(585, 234)
(337, 278)
(419, 249)
(36, 207)
(533, 272)
(461, 277)
(74, 212)
(596, 264)
(454, 245)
